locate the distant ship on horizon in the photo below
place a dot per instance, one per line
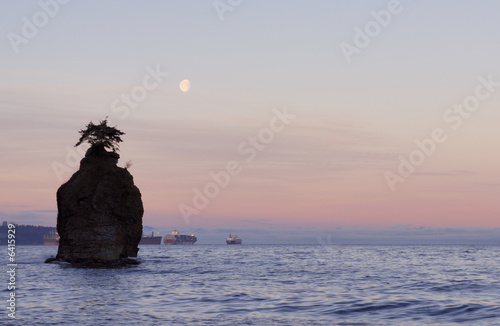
(51, 239)
(150, 239)
(179, 239)
(233, 239)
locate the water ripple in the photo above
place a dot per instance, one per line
(266, 285)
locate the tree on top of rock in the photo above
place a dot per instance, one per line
(101, 135)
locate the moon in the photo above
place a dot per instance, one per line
(185, 85)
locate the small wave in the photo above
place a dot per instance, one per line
(370, 307)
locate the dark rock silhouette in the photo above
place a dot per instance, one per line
(100, 212)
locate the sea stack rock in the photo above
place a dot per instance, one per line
(100, 212)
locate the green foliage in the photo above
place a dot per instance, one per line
(101, 134)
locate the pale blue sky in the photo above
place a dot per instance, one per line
(355, 117)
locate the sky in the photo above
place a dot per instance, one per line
(303, 116)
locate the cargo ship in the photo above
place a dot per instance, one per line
(51, 239)
(233, 239)
(150, 239)
(179, 239)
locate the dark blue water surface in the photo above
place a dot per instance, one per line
(264, 285)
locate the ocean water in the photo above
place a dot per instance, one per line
(263, 285)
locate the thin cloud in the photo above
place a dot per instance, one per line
(456, 173)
